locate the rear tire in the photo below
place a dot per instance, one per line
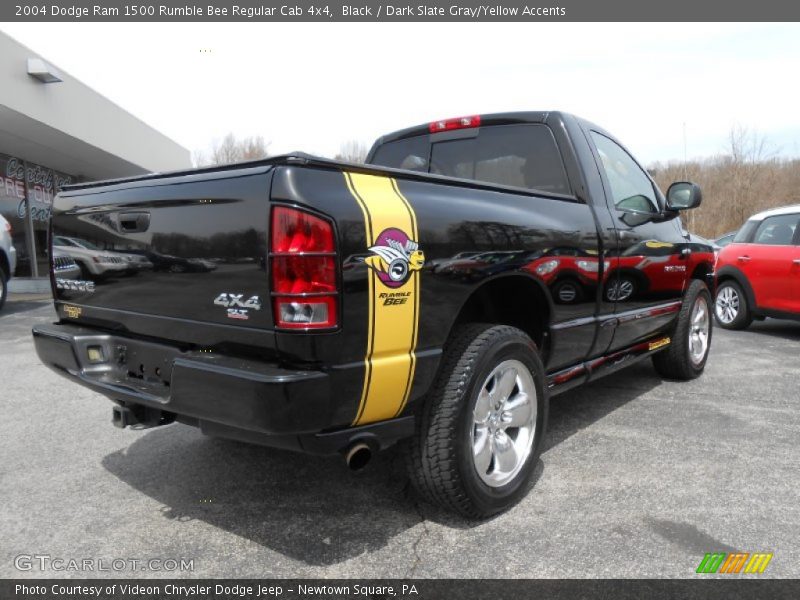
(480, 405)
(685, 357)
(3, 287)
(730, 307)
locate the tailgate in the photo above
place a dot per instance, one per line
(189, 249)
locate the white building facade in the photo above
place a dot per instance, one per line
(54, 130)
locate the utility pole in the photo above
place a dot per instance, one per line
(685, 175)
(686, 172)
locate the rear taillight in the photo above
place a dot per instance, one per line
(303, 267)
(457, 123)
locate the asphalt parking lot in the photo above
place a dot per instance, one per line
(639, 478)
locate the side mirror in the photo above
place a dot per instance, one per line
(684, 195)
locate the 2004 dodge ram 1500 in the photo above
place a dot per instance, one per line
(436, 296)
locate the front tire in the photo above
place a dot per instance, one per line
(480, 431)
(731, 308)
(685, 358)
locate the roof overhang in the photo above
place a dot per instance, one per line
(33, 141)
(51, 118)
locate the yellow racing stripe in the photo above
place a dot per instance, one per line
(393, 319)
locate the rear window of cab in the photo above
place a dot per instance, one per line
(524, 156)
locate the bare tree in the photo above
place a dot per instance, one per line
(749, 158)
(232, 149)
(745, 178)
(352, 151)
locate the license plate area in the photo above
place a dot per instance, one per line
(145, 366)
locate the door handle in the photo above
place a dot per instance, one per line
(626, 234)
(796, 261)
(744, 259)
(134, 222)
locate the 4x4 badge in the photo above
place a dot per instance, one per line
(236, 301)
(395, 257)
(238, 307)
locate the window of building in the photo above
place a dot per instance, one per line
(26, 201)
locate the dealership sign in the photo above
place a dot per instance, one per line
(40, 183)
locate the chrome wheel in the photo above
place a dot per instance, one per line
(699, 329)
(504, 423)
(619, 291)
(727, 305)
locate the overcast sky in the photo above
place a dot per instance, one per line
(312, 86)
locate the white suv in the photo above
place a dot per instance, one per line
(95, 263)
(8, 258)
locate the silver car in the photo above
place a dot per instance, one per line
(95, 263)
(8, 258)
(64, 266)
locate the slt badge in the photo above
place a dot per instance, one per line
(238, 307)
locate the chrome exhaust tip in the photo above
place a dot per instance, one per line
(358, 456)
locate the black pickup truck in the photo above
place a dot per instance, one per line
(437, 296)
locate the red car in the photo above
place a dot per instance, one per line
(646, 269)
(654, 268)
(758, 274)
(570, 273)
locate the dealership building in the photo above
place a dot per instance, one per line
(55, 130)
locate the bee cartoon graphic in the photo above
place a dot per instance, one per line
(395, 257)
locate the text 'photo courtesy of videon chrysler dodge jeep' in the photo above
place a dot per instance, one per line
(435, 297)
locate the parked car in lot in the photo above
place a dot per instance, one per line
(758, 274)
(64, 266)
(94, 262)
(725, 239)
(648, 269)
(8, 259)
(478, 265)
(656, 268)
(135, 262)
(439, 262)
(176, 264)
(571, 273)
(340, 340)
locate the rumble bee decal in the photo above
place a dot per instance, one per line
(393, 279)
(395, 257)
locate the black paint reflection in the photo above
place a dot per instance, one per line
(169, 250)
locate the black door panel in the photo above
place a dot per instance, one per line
(649, 261)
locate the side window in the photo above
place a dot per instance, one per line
(631, 188)
(743, 235)
(777, 231)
